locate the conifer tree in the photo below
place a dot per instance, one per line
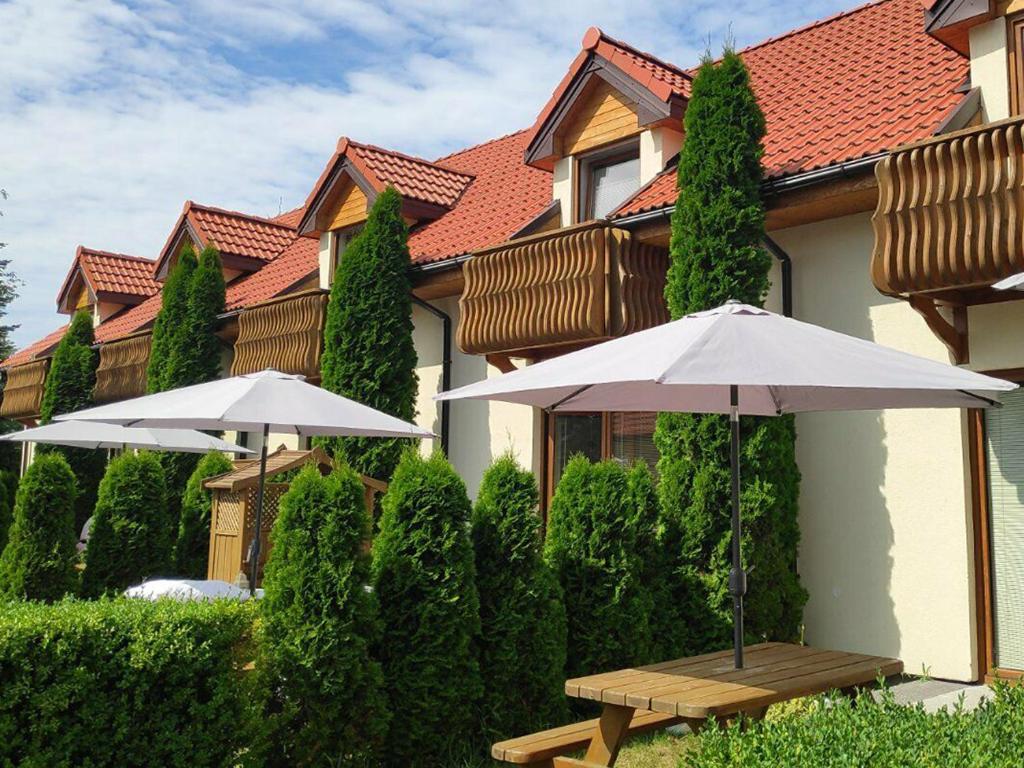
(192, 549)
(327, 704)
(522, 617)
(131, 537)
(716, 255)
(38, 562)
(69, 386)
(423, 574)
(594, 545)
(195, 351)
(368, 348)
(170, 319)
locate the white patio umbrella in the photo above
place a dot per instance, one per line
(737, 359)
(1013, 282)
(85, 434)
(268, 401)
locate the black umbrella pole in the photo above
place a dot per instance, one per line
(737, 577)
(255, 564)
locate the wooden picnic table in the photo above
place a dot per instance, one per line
(693, 689)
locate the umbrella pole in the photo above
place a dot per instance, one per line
(737, 577)
(255, 564)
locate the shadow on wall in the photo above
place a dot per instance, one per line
(846, 550)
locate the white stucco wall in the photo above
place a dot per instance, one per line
(993, 332)
(887, 541)
(562, 186)
(989, 69)
(479, 431)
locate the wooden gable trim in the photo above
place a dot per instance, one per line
(543, 150)
(950, 21)
(185, 228)
(314, 221)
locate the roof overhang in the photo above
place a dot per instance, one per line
(950, 21)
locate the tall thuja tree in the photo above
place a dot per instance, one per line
(170, 319)
(368, 349)
(522, 617)
(192, 548)
(717, 255)
(68, 388)
(9, 282)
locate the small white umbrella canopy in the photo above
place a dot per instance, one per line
(737, 359)
(1013, 282)
(268, 401)
(86, 434)
(186, 590)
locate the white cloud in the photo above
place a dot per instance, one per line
(113, 113)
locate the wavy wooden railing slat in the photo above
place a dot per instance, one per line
(121, 372)
(23, 393)
(285, 334)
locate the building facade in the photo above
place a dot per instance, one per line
(894, 186)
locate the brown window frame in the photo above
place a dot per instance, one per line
(583, 195)
(1015, 61)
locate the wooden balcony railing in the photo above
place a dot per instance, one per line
(570, 286)
(950, 215)
(121, 372)
(285, 333)
(23, 393)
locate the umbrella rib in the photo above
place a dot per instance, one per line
(568, 397)
(991, 402)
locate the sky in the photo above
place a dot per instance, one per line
(112, 114)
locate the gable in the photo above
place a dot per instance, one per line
(601, 116)
(349, 207)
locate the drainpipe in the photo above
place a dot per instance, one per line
(446, 363)
(786, 265)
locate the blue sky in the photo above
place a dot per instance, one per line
(112, 114)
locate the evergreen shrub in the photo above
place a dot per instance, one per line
(124, 683)
(327, 705)
(38, 562)
(368, 353)
(424, 577)
(522, 618)
(170, 320)
(192, 548)
(131, 537)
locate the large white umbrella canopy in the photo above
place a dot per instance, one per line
(738, 359)
(87, 434)
(1011, 283)
(268, 401)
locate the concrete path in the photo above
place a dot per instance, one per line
(936, 694)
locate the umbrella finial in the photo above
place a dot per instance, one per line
(734, 302)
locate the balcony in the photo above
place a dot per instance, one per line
(121, 372)
(573, 286)
(286, 334)
(950, 215)
(23, 393)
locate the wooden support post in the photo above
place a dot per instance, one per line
(612, 729)
(953, 335)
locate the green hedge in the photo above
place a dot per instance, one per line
(131, 537)
(840, 733)
(423, 574)
(38, 562)
(192, 549)
(522, 617)
(327, 704)
(124, 683)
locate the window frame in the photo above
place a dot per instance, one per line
(587, 163)
(1015, 61)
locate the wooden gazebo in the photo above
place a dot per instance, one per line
(233, 513)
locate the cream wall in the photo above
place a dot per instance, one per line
(989, 69)
(886, 553)
(994, 335)
(479, 431)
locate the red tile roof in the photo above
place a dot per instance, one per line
(134, 319)
(296, 263)
(118, 273)
(504, 196)
(36, 349)
(412, 176)
(852, 85)
(290, 218)
(239, 233)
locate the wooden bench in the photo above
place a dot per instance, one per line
(540, 748)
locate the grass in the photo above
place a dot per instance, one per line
(657, 750)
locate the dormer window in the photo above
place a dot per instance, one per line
(607, 179)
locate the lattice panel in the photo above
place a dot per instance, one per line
(229, 513)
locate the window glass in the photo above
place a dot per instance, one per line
(611, 184)
(575, 433)
(633, 438)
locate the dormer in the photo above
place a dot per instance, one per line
(246, 243)
(104, 283)
(356, 173)
(612, 124)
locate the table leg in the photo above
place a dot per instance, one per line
(612, 729)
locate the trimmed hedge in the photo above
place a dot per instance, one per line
(327, 703)
(38, 562)
(124, 683)
(131, 537)
(369, 354)
(192, 548)
(7, 493)
(424, 577)
(595, 531)
(838, 733)
(522, 617)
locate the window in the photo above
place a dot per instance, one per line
(607, 179)
(625, 437)
(1015, 33)
(342, 237)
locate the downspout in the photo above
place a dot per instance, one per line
(786, 265)
(446, 363)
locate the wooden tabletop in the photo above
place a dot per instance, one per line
(709, 685)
